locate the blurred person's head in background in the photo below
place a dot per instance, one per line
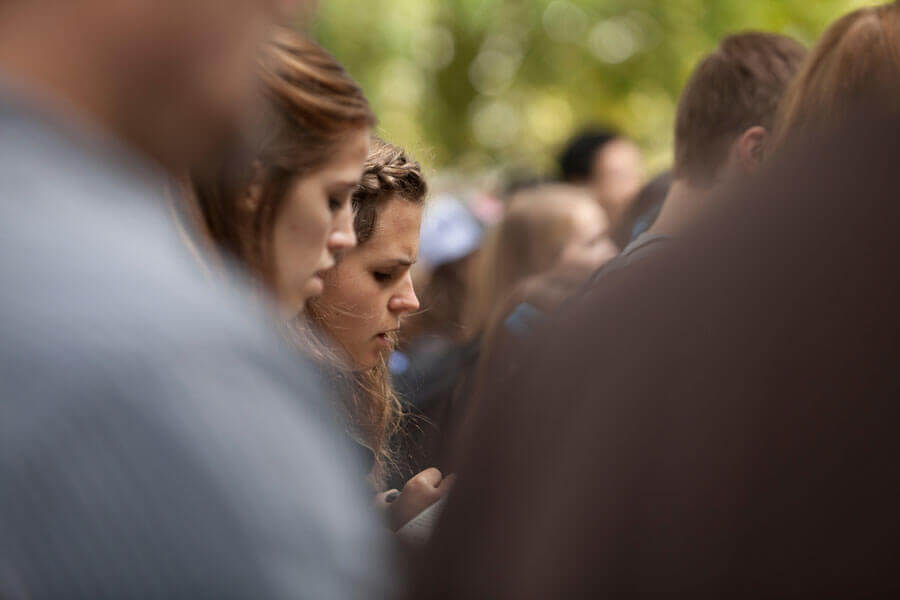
(855, 63)
(281, 204)
(172, 79)
(450, 242)
(725, 117)
(355, 321)
(544, 227)
(644, 209)
(727, 109)
(610, 165)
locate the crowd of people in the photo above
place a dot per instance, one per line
(217, 378)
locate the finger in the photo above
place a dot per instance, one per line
(431, 477)
(381, 500)
(447, 483)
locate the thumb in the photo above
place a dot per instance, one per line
(430, 476)
(447, 483)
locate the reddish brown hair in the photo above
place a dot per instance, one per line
(736, 87)
(857, 60)
(311, 106)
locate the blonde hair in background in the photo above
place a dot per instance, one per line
(529, 240)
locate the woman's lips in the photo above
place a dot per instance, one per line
(387, 338)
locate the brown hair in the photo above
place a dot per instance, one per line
(856, 60)
(371, 408)
(736, 87)
(311, 105)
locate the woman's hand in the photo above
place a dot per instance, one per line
(420, 492)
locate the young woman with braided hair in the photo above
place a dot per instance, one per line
(280, 206)
(359, 312)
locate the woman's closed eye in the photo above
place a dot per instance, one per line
(382, 276)
(335, 204)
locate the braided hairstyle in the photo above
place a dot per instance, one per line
(372, 410)
(388, 171)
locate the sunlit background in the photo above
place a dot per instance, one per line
(475, 85)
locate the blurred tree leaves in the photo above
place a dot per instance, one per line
(473, 84)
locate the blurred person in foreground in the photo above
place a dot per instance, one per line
(156, 439)
(759, 459)
(724, 118)
(609, 165)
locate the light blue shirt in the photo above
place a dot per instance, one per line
(156, 438)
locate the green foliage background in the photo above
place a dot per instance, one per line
(475, 84)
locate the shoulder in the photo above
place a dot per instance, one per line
(644, 245)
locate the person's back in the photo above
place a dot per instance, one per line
(156, 439)
(725, 116)
(739, 443)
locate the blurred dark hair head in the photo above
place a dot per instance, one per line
(772, 323)
(856, 60)
(312, 106)
(737, 86)
(576, 162)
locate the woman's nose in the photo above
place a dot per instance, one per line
(342, 235)
(405, 300)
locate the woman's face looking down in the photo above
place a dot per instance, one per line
(370, 289)
(314, 224)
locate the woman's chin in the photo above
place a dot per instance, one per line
(367, 361)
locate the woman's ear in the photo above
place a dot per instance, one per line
(750, 148)
(253, 194)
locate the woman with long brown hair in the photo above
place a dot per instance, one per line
(282, 208)
(280, 205)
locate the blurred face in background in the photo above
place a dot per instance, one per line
(314, 224)
(371, 289)
(618, 175)
(588, 244)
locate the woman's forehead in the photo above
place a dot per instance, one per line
(397, 229)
